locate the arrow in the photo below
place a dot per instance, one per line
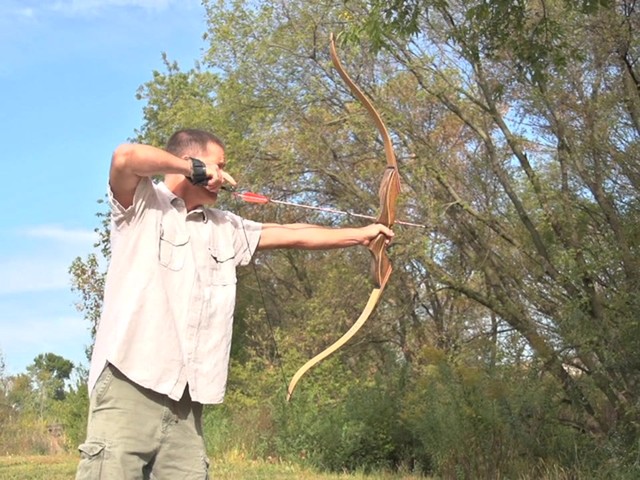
(251, 197)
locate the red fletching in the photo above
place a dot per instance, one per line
(252, 197)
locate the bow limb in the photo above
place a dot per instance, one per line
(368, 309)
(389, 190)
(390, 185)
(377, 119)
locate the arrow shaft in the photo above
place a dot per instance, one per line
(341, 212)
(251, 197)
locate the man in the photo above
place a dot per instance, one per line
(162, 345)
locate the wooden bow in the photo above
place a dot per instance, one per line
(380, 264)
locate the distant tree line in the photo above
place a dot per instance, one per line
(42, 410)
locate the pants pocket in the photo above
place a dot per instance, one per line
(91, 458)
(103, 383)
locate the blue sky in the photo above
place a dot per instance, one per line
(69, 72)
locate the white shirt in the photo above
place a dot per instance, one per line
(169, 297)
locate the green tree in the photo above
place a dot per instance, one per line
(49, 372)
(541, 207)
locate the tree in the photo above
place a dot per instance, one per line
(49, 372)
(88, 277)
(548, 95)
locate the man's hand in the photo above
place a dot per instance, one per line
(218, 177)
(211, 176)
(370, 232)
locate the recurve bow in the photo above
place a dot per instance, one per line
(380, 264)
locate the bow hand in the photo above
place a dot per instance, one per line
(389, 190)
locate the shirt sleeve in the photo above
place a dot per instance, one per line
(144, 195)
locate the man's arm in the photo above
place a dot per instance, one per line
(315, 237)
(131, 162)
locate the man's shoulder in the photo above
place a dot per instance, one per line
(220, 217)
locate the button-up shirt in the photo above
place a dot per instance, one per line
(169, 297)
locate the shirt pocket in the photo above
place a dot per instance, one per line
(173, 247)
(223, 266)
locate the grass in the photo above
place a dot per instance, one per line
(232, 467)
(32, 467)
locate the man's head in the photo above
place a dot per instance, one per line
(209, 149)
(191, 142)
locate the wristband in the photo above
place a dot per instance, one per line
(198, 172)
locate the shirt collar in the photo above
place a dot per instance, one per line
(178, 203)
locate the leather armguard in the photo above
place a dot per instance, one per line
(198, 172)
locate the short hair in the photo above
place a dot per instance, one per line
(192, 141)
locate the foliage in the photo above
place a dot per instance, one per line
(40, 412)
(72, 413)
(364, 433)
(50, 371)
(488, 423)
(506, 343)
(88, 277)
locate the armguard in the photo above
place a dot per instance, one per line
(198, 172)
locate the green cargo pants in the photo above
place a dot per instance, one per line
(136, 434)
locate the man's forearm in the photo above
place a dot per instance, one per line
(308, 237)
(146, 161)
(131, 162)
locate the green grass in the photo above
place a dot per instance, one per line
(54, 467)
(232, 467)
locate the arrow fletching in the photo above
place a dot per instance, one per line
(251, 197)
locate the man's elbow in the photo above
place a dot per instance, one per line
(121, 158)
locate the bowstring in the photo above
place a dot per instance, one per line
(270, 326)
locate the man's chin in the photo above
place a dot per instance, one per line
(211, 196)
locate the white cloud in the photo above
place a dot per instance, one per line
(42, 331)
(73, 8)
(22, 339)
(61, 234)
(50, 35)
(37, 312)
(26, 12)
(16, 14)
(40, 258)
(91, 7)
(34, 274)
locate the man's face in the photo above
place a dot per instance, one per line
(213, 158)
